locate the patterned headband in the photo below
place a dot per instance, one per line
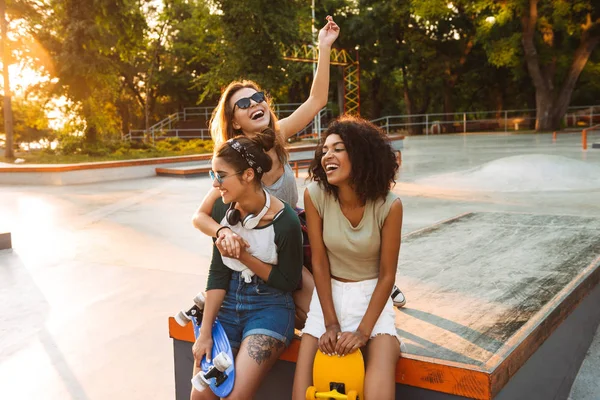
(237, 146)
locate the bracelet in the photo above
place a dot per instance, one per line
(219, 230)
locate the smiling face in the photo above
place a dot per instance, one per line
(252, 119)
(234, 184)
(335, 160)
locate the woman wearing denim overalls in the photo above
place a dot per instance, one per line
(251, 292)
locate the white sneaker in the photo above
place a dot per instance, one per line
(398, 297)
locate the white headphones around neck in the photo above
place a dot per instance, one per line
(233, 215)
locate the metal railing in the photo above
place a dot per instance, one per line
(141, 134)
(477, 121)
(165, 127)
(433, 123)
(584, 136)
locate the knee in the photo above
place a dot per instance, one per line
(237, 396)
(196, 395)
(206, 394)
(383, 390)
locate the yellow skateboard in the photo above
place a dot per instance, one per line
(337, 377)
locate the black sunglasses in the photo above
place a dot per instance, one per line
(244, 102)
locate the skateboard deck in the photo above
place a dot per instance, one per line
(221, 383)
(219, 374)
(337, 377)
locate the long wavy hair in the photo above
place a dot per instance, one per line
(221, 127)
(374, 164)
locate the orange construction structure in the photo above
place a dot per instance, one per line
(310, 54)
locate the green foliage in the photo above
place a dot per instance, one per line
(76, 145)
(506, 51)
(247, 46)
(30, 122)
(69, 144)
(88, 41)
(416, 56)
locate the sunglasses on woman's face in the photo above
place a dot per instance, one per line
(245, 102)
(220, 178)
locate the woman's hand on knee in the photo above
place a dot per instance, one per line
(329, 339)
(202, 346)
(349, 342)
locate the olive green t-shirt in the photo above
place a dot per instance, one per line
(353, 252)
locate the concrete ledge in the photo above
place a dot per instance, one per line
(184, 172)
(541, 368)
(73, 174)
(529, 346)
(46, 168)
(5, 241)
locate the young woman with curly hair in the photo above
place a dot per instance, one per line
(354, 225)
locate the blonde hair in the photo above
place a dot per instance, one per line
(221, 127)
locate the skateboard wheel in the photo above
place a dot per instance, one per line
(311, 393)
(199, 383)
(182, 319)
(352, 395)
(222, 362)
(199, 301)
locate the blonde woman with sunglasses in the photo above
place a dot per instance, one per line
(244, 109)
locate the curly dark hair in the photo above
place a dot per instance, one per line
(374, 164)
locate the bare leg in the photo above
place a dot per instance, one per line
(303, 375)
(302, 298)
(206, 394)
(257, 355)
(382, 353)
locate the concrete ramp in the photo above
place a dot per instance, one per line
(500, 306)
(487, 292)
(523, 173)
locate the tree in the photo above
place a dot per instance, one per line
(557, 38)
(252, 33)
(30, 121)
(401, 71)
(89, 41)
(193, 43)
(451, 26)
(7, 106)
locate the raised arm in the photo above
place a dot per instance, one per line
(319, 90)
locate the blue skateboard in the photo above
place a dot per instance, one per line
(219, 374)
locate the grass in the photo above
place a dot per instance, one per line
(39, 157)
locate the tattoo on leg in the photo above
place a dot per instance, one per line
(261, 347)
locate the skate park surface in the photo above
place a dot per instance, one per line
(96, 269)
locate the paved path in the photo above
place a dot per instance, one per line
(96, 269)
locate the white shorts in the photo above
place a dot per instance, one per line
(350, 300)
